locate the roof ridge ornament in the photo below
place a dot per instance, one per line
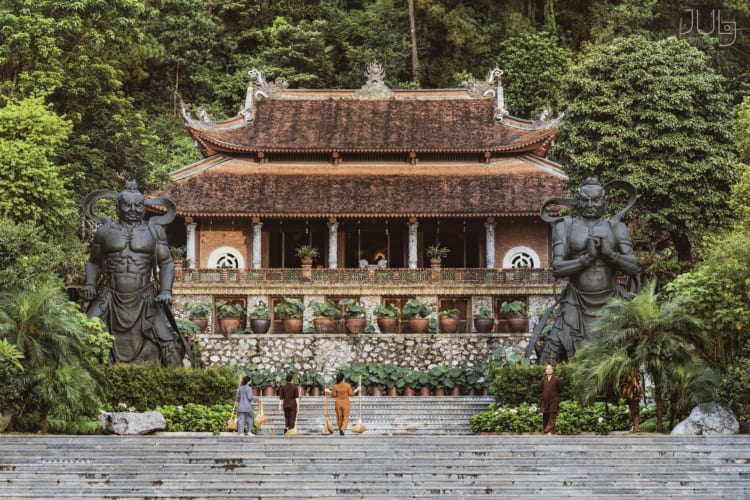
(375, 86)
(492, 86)
(260, 87)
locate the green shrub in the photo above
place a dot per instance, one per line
(735, 391)
(572, 419)
(145, 387)
(198, 418)
(516, 384)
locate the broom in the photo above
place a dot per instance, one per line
(327, 428)
(260, 418)
(359, 427)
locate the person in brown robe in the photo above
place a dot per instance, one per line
(551, 392)
(342, 391)
(289, 401)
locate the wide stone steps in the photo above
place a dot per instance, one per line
(374, 465)
(384, 414)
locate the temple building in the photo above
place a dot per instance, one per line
(371, 178)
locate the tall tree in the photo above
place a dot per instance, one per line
(534, 65)
(656, 114)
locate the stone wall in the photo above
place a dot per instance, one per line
(326, 353)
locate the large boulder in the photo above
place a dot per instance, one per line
(708, 418)
(131, 423)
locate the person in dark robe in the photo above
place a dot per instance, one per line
(551, 393)
(289, 402)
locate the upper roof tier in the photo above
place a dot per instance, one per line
(372, 119)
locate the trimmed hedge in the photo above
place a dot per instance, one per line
(145, 387)
(518, 384)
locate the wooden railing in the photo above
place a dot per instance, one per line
(368, 276)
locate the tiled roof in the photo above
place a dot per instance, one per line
(385, 125)
(225, 186)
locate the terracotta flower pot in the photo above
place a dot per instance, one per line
(391, 391)
(518, 325)
(293, 325)
(409, 391)
(388, 325)
(325, 325)
(448, 325)
(355, 326)
(439, 391)
(201, 323)
(419, 325)
(456, 391)
(229, 326)
(425, 391)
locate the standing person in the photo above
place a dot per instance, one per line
(342, 391)
(289, 400)
(245, 399)
(551, 392)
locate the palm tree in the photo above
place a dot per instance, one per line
(48, 330)
(647, 333)
(42, 323)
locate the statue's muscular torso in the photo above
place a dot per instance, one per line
(127, 252)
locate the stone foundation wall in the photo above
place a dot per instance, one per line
(326, 353)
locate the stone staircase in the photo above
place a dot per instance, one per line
(384, 414)
(392, 459)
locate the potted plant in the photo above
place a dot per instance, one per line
(408, 381)
(198, 313)
(448, 320)
(455, 380)
(230, 316)
(354, 315)
(290, 311)
(265, 381)
(436, 253)
(373, 378)
(387, 317)
(389, 375)
(515, 313)
(259, 318)
(326, 316)
(307, 253)
(484, 319)
(417, 312)
(312, 381)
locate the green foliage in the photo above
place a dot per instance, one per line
(32, 184)
(735, 391)
(437, 251)
(514, 309)
(198, 310)
(717, 291)
(448, 313)
(387, 311)
(259, 311)
(415, 308)
(352, 308)
(306, 252)
(484, 312)
(311, 378)
(649, 332)
(518, 383)
(534, 65)
(654, 113)
(572, 418)
(144, 387)
(226, 309)
(327, 309)
(27, 255)
(13, 389)
(289, 308)
(97, 341)
(193, 417)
